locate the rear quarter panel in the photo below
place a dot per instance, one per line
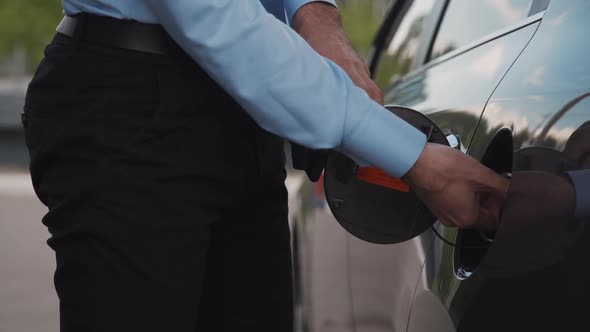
(544, 98)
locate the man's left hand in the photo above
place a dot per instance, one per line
(320, 25)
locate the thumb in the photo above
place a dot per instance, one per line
(491, 182)
(490, 209)
(488, 219)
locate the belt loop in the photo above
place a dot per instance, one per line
(81, 26)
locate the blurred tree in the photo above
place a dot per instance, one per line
(362, 19)
(27, 25)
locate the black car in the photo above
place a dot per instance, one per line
(509, 82)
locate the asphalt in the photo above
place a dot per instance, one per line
(28, 302)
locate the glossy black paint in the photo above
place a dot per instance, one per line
(467, 20)
(543, 100)
(452, 90)
(520, 101)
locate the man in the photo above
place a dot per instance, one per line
(167, 206)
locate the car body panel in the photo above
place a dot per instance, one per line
(454, 92)
(329, 284)
(428, 313)
(378, 307)
(543, 99)
(384, 278)
(532, 81)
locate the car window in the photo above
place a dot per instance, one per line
(399, 53)
(467, 20)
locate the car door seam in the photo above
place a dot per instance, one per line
(498, 84)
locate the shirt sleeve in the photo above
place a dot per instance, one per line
(291, 6)
(284, 85)
(581, 181)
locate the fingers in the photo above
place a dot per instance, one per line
(487, 204)
(483, 219)
(490, 181)
(373, 91)
(331, 42)
(490, 206)
(360, 76)
(468, 214)
(459, 205)
(368, 85)
(487, 220)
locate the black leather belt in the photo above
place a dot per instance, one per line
(116, 33)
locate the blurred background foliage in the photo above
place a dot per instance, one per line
(28, 25)
(362, 19)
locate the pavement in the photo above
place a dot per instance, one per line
(28, 302)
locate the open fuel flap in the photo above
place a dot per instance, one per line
(372, 205)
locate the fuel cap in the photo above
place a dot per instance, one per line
(370, 204)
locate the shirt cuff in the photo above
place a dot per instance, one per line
(384, 140)
(581, 181)
(291, 6)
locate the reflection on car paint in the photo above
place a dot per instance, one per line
(535, 276)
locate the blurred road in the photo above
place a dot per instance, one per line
(28, 302)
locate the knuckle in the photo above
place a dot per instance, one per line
(462, 220)
(379, 93)
(349, 62)
(361, 65)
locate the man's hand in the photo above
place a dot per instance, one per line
(320, 25)
(458, 189)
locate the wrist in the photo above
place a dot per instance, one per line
(315, 16)
(413, 176)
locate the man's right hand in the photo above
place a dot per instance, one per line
(457, 188)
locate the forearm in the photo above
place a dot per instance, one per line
(320, 24)
(282, 83)
(315, 14)
(292, 7)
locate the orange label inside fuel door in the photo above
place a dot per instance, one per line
(376, 176)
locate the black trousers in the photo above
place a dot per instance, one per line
(167, 204)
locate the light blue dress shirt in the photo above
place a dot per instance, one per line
(283, 84)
